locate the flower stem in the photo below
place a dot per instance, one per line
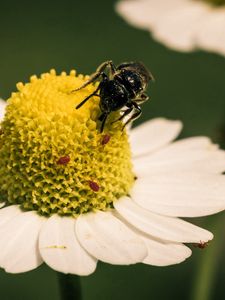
(208, 264)
(70, 287)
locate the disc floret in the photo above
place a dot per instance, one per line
(52, 155)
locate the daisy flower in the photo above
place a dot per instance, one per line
(184, 25)
(74, 196)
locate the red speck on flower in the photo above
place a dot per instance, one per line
(105, 139)
(94, 186)
(201, 245)
(63, 160)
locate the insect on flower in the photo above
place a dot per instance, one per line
(94, 186)
(201, 245)
(105, 139)
(124, 86)
(64, 160)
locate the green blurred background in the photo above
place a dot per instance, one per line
(36, 36)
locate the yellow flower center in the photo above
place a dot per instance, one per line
(53, 158)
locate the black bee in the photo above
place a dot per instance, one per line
(123, 86)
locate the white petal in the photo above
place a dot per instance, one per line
(195, 154)
(182, 195)
(165, 228)
(179, 24)
(136, 12)
(177, 28)
(108, 239)
(61, 250)
(153, 135)
(211, 31)
(19, 242)
(8, 213)
(165, 254)
(2, 108)
(145, 13)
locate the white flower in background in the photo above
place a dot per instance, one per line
(184, 25)
(72, 196)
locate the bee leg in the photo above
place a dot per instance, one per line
(92, 78)
(86, 99)
(125, 113)
(143, 98)
(103, 118)
(135, 115)
(106, 64)
(105, 78)
(99, 72)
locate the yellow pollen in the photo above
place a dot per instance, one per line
(53, 157)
